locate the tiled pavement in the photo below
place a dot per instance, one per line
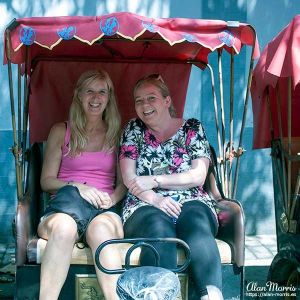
(259, 253)
(260, 250)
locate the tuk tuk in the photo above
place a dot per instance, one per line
(276, 107)
(45, 56)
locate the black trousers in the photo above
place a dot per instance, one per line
(196, 225)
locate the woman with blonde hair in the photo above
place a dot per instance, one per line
(81, 172)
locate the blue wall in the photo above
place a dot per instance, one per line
(268, 17)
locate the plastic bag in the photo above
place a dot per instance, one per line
(148, 283)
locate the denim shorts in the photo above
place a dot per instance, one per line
(69, 201)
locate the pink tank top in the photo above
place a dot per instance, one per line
(97, 169)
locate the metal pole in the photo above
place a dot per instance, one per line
(278, 103)
(15, 147)
(20, 150)
(243, 119)
(25, 108)
(245, 111)
(289, 143)
(222, 119)
(295, 197)
(231, 120)
(279, 146)
(19, 105)
(217, 121)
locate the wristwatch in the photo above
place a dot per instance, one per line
(158, 180)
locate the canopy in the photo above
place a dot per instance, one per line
(191, 39)
(55, 50)
(279, 61)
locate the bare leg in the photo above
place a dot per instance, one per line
(105, 227)
(61, 232)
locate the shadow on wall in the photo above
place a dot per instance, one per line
(7, 188)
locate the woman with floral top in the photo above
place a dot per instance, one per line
(164, 162)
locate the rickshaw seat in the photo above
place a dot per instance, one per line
(30, 248)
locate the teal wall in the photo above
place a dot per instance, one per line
(268, 17)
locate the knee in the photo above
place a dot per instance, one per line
(103, 228)
(64, 229)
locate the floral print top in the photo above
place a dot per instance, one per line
(154, 157)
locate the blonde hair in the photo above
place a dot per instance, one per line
(157, 81)
(111, 116)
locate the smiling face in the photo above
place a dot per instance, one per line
(150, 106)
(94, 97)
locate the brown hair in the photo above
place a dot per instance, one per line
(157, 81)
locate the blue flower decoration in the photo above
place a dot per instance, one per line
(227, 38)
(67, 33)
(109, 26)
(189, 37)
(27, 35)
(150, 27)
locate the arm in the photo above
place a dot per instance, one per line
(194, 177)
(166, 204)
(119, 191)
(178, 181)
(128, 170)
(52, 159)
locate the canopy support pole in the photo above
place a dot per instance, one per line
(16, 147)
(272, 138)
(243, 120)
(231, 106)
(19, 105)
(21, 152)
(289, 143)
(222, 154)
(217, 121)
(278, 103)
(26, 104)
(295, 197)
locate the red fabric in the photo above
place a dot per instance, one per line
(52, 84)
(203, 36)
(279, 60)
(127, 45)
